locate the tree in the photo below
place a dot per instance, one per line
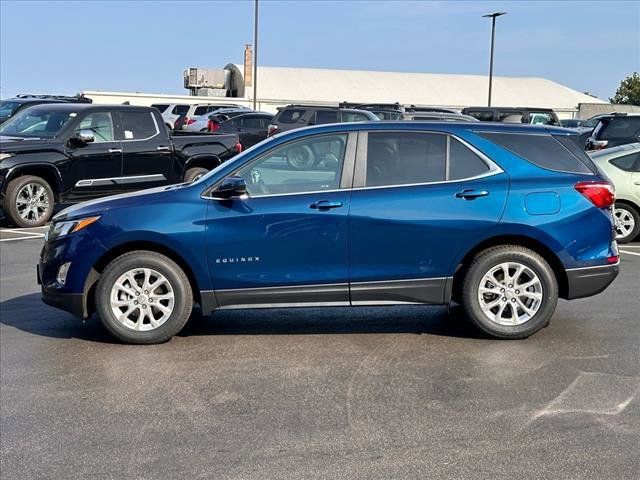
(628, 92)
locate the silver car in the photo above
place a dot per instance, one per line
(197, 118)
(622, 166)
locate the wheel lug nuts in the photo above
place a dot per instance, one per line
(502, 290)
(151, 300)
(137, 293)
(504, 299)
(513, 299)
(144, 306)
(517, 292)
(146, 292)
(135, 303)
(510, 286)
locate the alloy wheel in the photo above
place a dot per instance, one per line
(32, 202)
(624, 222)
(142, 299)
(510, 294)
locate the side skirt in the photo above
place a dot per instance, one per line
(435, 291)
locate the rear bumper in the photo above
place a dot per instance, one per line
(585, 282)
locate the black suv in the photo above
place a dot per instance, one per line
(614, 130)
(297, 116)
(384, 111)
(11, 106)
(536, 116)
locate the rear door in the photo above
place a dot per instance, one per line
(419, 199)
(147, 157)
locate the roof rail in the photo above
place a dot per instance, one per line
(76, 98)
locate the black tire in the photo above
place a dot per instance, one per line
(183, 297)
(194, 173)
(16, 193)
(483, 263)
(628, 209)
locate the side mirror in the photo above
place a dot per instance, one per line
(230, 187)
(83, 137)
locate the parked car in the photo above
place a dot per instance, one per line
(534, 116)
(251, 128)
(195, 120)
(11, 106)
(622, 166)
(614, 130)
(65, 153)
(297, 116)
(438, 117)
(171, 112)
(503, 219)
(570, 122)
(201, 123)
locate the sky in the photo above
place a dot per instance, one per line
(66, 47)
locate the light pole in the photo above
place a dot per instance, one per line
(493, 36)
(255, 52)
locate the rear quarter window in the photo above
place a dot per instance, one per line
(545, 151)
(628, 163)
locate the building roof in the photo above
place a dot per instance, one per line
(288, 84)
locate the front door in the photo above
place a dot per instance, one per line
(419, 199)
(286, 243)
(94, 169)
(147, 157)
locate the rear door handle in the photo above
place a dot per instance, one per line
(115, 150)
(469, 194)
(162, 148)
(325, 205)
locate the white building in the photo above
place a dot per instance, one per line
(279, 86)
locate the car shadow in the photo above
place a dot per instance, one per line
(29, 314)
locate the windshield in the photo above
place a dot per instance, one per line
(36, 122)
(7, 109)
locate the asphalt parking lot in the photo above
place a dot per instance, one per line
(395, 392)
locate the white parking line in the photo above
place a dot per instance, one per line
(637, 254)
(22, 238)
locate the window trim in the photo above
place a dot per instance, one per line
(346, 177)
(360, 173)
(123, 140)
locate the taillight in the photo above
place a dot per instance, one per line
(189, 121)
(601, 194)
(597, 144)
(213, 126)
(613, 259)
(238, 147)
(271, 130)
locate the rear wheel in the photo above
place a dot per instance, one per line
(627, 222)
(143, 297)
(29, 201)
(194, 174)
(509, 292)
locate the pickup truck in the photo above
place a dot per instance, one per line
(66, 153)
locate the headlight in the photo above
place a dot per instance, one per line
(5, 155)
(60, 229)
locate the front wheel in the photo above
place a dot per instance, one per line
(509, 292)
(29, 201)
(627, 222)
(143, 297)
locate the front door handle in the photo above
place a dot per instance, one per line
(115, 150)
(469, 194)
(325, 205)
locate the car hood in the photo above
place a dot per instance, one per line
(101, 205)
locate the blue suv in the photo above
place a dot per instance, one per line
(502, 219)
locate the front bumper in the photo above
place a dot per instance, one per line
(585, 282)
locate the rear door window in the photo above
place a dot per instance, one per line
(401, 158)
(326, 116)
(541, 150)
(161, 106)
(201, 111)
(137, 125)
(464, 163)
